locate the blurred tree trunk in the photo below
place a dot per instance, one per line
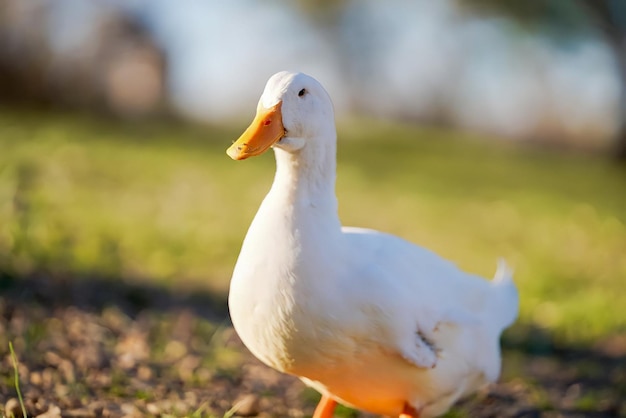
(611, 19)
(571, 16)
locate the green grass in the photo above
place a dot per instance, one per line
(17, 379)
(161, 201)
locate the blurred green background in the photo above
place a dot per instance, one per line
(160, 201)
(472, 128)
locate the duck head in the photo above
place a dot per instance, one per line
(294, 110)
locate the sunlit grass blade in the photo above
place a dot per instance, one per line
(17, 379)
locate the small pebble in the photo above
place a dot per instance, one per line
(52, 358)
(153, 409)
(144, 373)
(52, 412)
(36, 379)
(174, 350)
(129, 410)
(78, 413)
(247, 406)
(12, 407)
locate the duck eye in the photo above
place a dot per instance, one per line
(301, 92)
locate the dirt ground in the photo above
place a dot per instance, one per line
(93, 347)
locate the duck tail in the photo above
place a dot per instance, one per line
(506, 299)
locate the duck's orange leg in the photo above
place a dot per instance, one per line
(409, 412)
(325, 408)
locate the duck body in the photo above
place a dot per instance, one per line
(366, 318)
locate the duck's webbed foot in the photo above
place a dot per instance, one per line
(325, 408)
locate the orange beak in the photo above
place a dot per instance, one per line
(265, 130)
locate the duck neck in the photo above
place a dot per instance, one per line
(306, 179)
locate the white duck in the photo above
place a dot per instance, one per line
(367, 319)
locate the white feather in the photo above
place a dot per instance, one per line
(366, 317)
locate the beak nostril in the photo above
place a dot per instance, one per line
(267, 122)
